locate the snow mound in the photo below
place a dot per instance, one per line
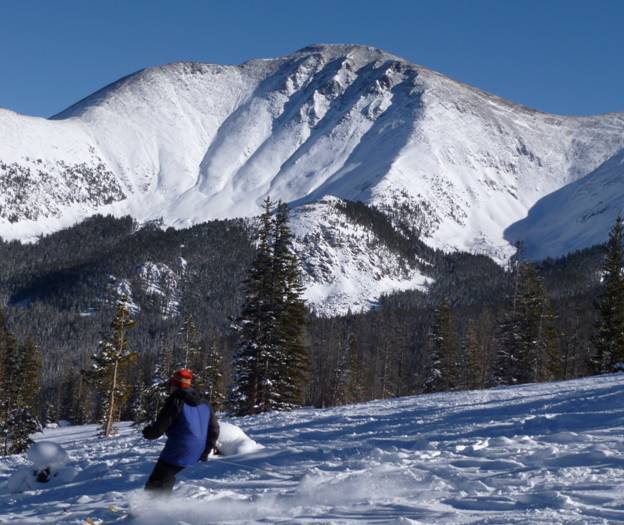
(233, 441)
(48, 469)
(44, 454)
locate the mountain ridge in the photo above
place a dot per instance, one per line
(189, 142)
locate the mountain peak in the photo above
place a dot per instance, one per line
(335, 50)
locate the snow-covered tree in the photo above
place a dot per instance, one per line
(21, 383)
(211, 375)
(17, 429)
(108, 364)
(190, 345)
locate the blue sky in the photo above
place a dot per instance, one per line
(554, 55)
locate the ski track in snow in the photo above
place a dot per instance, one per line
(550, 453)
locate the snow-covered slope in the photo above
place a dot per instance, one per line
(576, 216)
(191, 141)
(536, 454)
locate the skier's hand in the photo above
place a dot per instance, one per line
(216, 452)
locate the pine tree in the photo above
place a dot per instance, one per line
(443, 372)
(354, 386)
(141, 409)
(609, 341)
(82, 406)
(71, 406)
(10, 388)
(473, 350)
(509, 334)
(21, 384)
(543, 352)
(292, 359)
(190, 347)
(108, 364)
(155, 393)
(486, 357)
(30, 376)
(22, 419)
(212, 375)
(271, 365)
(528, 345)
(251, 390)
(20, 424)
(347, 374)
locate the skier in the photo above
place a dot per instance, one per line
(192, 431)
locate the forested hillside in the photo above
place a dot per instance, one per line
(61, 292)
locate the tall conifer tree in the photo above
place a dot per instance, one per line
(609, 341)
(292, 359)
(443, 371)
(190, 345)
(256, 326)
(271, 364)
(473, 351)
(20, 369)
(528, 345)
(212, 375)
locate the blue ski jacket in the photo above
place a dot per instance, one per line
(191, 426)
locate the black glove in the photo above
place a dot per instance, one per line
(215, 452)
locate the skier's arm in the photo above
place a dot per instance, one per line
(166, 417)
(213, 434)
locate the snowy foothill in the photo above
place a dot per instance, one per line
(550, 453)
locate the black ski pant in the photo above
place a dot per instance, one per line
(163, 477)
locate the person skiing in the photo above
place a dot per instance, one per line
(192, 430)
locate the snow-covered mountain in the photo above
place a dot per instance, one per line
(536, 454)
(576, 216)
(189, 142)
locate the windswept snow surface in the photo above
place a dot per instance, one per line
(550, 453)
